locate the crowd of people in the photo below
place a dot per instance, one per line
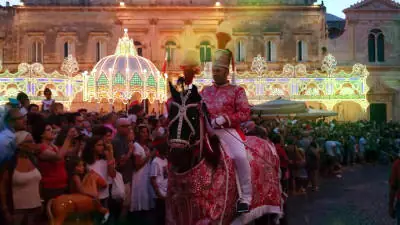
(56, 149)
(308, 148)
(46, 153)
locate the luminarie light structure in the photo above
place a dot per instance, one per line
(119, 76)
(328, 86)
(32, 80)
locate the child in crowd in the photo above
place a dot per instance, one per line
(48, 102)
(76, 186)
(159, 178)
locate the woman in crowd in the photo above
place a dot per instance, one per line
(51, 160)
(99, 158)
(313, 160)
(19, 186)
(141, 201)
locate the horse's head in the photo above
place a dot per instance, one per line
(185, 127)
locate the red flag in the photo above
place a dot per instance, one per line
(164, 67)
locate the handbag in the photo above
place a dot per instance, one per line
(118, 187)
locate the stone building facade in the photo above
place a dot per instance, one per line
(371, 36)
(292, 31)
(47, 31)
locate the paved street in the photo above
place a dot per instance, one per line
(358, 198)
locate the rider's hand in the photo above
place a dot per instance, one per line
(218, 122)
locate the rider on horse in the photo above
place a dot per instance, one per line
(228, 107)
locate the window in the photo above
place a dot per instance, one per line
(205, 52)
(100, 50)
(301, 51)
(139, 48)
(376, 46)
(36, 52)
(270, 51)
(67, 49)
(170, 47)
(240, 51)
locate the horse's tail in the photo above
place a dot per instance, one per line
(49, 211)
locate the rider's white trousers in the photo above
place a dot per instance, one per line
(235, 148)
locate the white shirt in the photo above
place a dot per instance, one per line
(141, 198)
(23, 111)
(47, 104)
(101, 168)
(159, 169)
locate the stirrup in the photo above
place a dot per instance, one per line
(242, 207)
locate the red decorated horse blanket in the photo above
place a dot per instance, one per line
(204, 196)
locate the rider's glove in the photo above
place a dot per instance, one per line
(218, 122)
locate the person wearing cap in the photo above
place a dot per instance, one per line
(227, 112)
(13, 121)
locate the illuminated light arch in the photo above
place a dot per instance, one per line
(276, 90)
(347, 89)
(312, 89)
(349, 111)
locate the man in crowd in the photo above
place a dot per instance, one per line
(124, 157)
(24, 102)
(14, 121)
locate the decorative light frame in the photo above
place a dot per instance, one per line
(295, 81)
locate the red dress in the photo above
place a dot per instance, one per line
(54, 175)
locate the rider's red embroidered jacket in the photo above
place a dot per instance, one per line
(227, 100)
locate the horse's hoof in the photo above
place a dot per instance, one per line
(105, 218)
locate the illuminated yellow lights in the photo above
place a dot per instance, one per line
(122, 4)
(218, 4)
(329, 85)
(123, 75)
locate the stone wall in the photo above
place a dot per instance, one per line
(154, 26)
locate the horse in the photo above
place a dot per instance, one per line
(58, 209)
(202, 186)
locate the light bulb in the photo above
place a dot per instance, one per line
(217, 4)
(122, 4)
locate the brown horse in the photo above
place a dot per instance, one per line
(60, 208)
(202, 187)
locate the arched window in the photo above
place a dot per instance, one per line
(170, 47)
(36, 52)
(376, 46)
(205, 52)
(270, 51)
(301, 51)
(240, 51)
(139, 48)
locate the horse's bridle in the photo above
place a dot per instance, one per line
(181, 116)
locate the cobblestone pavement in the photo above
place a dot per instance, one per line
(358, 198)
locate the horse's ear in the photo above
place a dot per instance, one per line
(175, 94)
